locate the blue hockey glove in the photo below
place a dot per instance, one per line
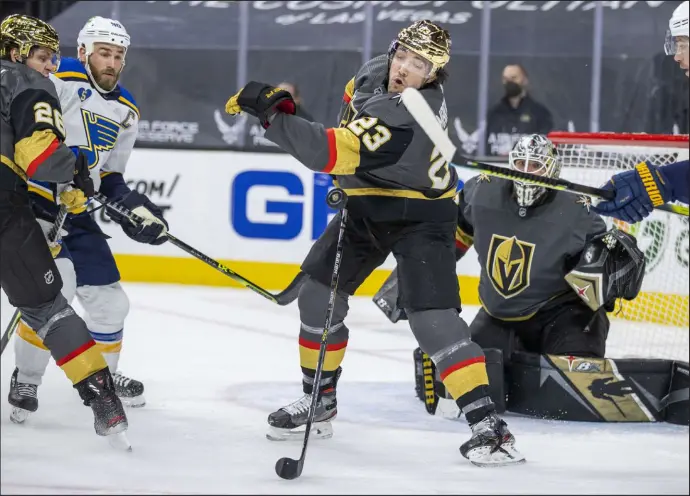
(638, 191)
(152, 231)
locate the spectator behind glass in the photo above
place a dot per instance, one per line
(516, 115)
(294, 91)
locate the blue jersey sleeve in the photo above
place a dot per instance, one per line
(678, 175)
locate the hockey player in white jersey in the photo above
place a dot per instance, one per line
(647, 186)
(101, 120)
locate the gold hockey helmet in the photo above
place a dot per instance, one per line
(427, 40)
(26, 32)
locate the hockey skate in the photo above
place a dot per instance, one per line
(289, 421)
(130, 391)
(23, 398)
(491, 444)
(110, 420)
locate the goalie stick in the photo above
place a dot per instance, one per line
(422, 113)
(55, 235)
(285, 297)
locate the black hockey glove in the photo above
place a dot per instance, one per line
(154, 227)
(611, 266)
(82, 176)
(262, 101)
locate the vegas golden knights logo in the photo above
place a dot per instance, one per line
(508, 265)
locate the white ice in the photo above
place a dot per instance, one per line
(216, 362)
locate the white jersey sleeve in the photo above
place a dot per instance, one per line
(117, 160)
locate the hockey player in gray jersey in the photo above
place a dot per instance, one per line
(400, 201)
(549, 269)
(32, 146)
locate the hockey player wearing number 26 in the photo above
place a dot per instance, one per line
(32, 146)
(101, 121)
(401, 201)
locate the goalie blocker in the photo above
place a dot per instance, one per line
(579, 388)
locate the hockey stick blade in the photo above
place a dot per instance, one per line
(285, 297)
(288, 468)
(422, 113)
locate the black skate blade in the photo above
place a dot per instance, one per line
(288, 469)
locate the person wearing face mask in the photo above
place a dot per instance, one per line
(516, 115)
(401, 201)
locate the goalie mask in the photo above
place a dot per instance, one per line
(611, 266)
(534, 154)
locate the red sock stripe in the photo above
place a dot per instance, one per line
(332, 151)
(315, 346)
(458, 366)
(39, 160)
(75, 353)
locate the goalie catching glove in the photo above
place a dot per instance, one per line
(152, 230)
(611, 266)
(262, 101)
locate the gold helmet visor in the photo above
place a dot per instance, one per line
(429, 41)
(26, 32)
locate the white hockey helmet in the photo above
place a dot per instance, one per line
(677, 26)
(102, 30)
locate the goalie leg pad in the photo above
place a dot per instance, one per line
(445, 337)
(430, 389)
(676, 403)
(386, 299)
(588, 389)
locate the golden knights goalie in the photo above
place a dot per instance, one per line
(550, 272)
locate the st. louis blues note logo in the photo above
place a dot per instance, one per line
(83, 93)
(101, 135)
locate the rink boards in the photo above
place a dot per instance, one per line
(260, 213)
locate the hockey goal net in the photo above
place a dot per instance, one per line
(655, 324)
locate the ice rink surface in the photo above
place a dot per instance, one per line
(215, 362)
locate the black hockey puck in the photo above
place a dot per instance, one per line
(336, 198)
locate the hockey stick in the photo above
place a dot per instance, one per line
(283, 298)
(422, 113)
(55, 235)
(288, 468)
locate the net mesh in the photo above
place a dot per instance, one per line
(655, 324)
